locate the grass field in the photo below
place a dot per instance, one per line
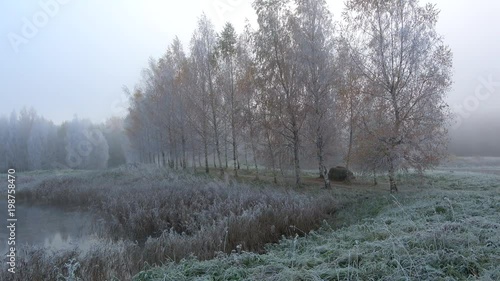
(444, 225)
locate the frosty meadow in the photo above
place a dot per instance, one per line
(300, 146)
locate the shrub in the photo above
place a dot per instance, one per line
(340, 174)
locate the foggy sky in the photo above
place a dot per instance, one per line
(83, 52)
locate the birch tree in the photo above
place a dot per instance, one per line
(277, 59)
(314, 36)
(399, 51)
(199, 98)
(246, 85)
(137, 126)
(350, 84)
(227, 52)
(203, 46)
(177, 58)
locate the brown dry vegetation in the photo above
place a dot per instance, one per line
(151, 216)
(441, 225)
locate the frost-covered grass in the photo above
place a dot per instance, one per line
(470, 162)
(150, 216)
(102, 260)
(490, 165)
(443, 226)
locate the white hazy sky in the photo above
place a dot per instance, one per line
(80, 56)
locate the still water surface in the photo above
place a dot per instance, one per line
(45, 226)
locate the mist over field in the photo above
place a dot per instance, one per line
(250, 140)
(479, 136)
(77, 60)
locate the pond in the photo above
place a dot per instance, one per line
(45, 226)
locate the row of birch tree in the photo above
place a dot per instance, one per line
(300, 88)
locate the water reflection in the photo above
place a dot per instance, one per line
(59, 241)
(50, 227)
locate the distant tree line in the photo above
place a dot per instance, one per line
(300, 88)
(31, 142)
